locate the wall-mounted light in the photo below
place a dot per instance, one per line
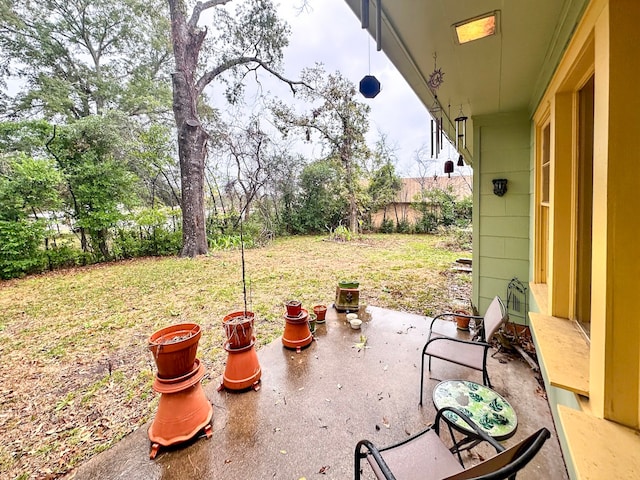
(499, 186)
(477, 27)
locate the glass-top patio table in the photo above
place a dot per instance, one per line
(484, 406)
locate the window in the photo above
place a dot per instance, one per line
(584, 202)
(544, 179)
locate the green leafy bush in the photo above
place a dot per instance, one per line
(427, 223)
(19, 248)
(386, 226)
(341, 234)
(403, 226)
(140, 242)
(66, 256)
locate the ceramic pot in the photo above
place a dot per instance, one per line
(294, 308)
(296, 331)
(174, 349)
(312, 322)
(462, 323)
(320, 311)
(238, 327)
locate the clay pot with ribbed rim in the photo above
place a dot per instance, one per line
(462, 323)
(174, 349)
(239, 328)
(321, 312)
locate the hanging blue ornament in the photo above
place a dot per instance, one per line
(369, 86)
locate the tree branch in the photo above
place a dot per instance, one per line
(201, 7)
(209, 76)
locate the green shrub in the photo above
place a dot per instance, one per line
(463, 211)
(386, 226)
(403, 226)
(127, 243)
(341, 234)
(226, 242)
(140, 242)
(20, 252)
(66, 256)
(427, 223)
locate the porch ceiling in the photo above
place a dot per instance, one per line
(503, 73)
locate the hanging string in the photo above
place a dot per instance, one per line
(244, 284)
(369, 50)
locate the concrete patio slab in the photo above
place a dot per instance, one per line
(313, 406)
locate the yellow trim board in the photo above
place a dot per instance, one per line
(564, 352)
(600, 448)
(540, 293)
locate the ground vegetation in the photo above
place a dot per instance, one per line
(77, 374)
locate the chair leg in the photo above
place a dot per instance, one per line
(356, 462)
(485, 379)
(422, 378)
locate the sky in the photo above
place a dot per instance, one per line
(330, 33)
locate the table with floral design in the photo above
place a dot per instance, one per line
(487, 408)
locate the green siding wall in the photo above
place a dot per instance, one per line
(502, 149)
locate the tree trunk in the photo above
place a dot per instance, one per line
(192, 138)
(192, 151)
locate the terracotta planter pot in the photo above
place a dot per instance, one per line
(320, 311)
(239, 328)
(296, 331)
(174, 349)
(462, 323)
(294, 308)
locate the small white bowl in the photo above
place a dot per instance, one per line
(351, 316)
(355, 323)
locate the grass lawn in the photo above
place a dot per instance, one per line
(76, 372)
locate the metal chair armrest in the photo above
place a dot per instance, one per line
(437, 317)
(481, 434)
(452, 314)
(375, 453)
(457, 340)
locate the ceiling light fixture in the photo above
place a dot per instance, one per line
(477, 27)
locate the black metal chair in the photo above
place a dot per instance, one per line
(470, 353)
(425, 457)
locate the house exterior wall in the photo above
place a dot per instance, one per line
(603, 47)
(501, 224)
(593, 383)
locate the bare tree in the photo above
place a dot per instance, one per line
(251, 39)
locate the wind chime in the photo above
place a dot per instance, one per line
(461, 135)
(436, 78)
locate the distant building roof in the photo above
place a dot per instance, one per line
(460, 186)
